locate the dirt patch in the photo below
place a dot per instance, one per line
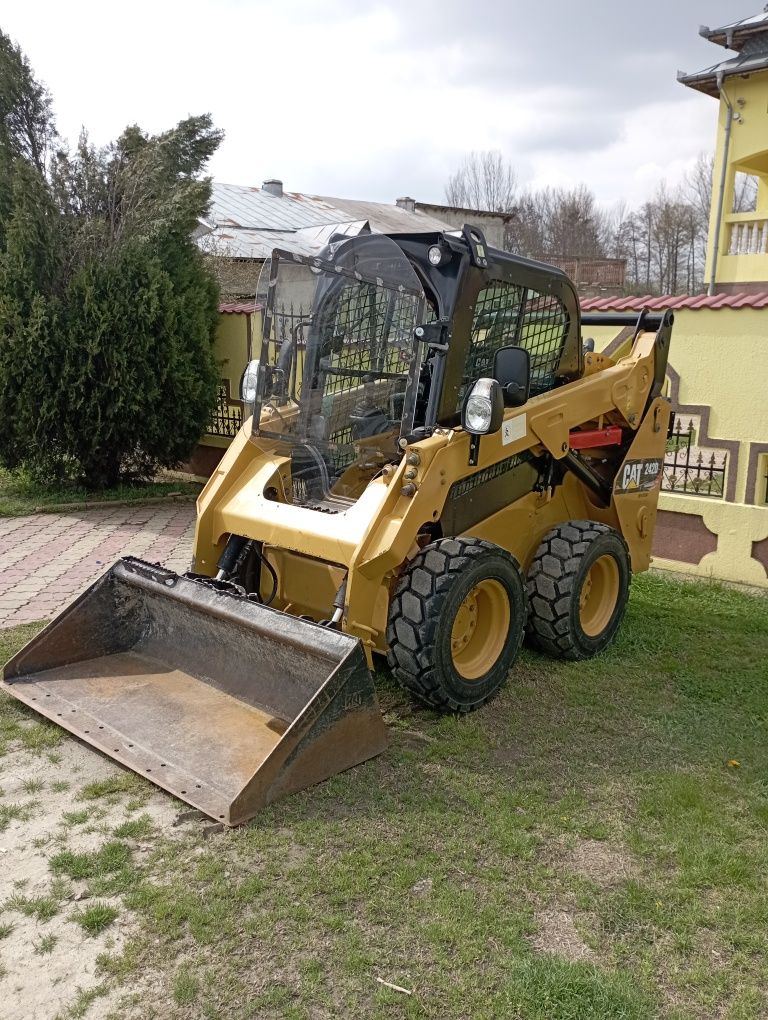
(511, 756)
(599, 862)
(557, 933)
(47, 960)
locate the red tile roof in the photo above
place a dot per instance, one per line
(637, 304)
(238, 308)
(607, 304)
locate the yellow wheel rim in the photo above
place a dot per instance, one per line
(599, 595)
(480, 629)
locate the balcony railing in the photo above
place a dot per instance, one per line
(749, 237)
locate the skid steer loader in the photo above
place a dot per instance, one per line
(431, 466)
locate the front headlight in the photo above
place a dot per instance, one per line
(249, 389)
(477, 414)
(483, 410)
(249, 384)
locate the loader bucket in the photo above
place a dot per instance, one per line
(223, 702)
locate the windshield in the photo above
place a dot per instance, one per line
(342, 380)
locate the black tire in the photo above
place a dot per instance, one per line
(561, 574)
(450, 581)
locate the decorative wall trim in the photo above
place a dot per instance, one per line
(621, 338)
(755, 449)
(760, 553)
(733, 446)
(682, 537)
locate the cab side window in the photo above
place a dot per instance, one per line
(543, 333)
(505, 314)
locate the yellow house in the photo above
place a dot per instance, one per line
(238, 339)
(737, 253)
(713, 508)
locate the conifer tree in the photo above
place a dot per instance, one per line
(107, 310)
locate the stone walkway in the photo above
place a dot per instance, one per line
(48, 559)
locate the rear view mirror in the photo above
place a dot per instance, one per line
(512, 369)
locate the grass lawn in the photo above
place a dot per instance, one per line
(20, 495)
(592, 844)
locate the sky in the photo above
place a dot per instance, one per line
(369, 100)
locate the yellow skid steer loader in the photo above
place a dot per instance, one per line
(431, 466)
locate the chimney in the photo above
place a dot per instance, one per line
(409, 204)
(273, 187)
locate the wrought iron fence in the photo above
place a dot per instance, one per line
(288, 323)
(227, 417)
(688, 468)
(285, 319)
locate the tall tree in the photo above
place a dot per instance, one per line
(558, 221)
(485, 180)
(663, 241)
(26, 121)
(27, 129)
(107, 310)
(28, 312)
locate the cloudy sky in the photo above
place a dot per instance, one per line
(367, 99)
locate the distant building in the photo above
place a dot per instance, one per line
(592, 276)
(492, 224)
(244, 225)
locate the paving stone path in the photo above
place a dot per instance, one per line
(48, 559)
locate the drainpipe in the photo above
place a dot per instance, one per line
(721, 196)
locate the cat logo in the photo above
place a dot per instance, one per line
(639, 476)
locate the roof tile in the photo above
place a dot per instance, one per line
(238, 307)
(691, 301)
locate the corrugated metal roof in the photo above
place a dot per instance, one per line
(247, 223)
(674, 301)
(245, 243)
(383, 218)
(233, 205)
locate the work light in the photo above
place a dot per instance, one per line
(249, 388)
(484, 408)
(478, 415)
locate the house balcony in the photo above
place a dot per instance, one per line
(744, 255)
(747, 235)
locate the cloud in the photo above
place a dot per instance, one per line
(374, 100)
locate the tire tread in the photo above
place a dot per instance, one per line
(439, 560)
(550, 585)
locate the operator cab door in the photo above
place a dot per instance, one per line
(513, 302)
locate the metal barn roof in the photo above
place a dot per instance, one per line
(248, 223)
(383, 218)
